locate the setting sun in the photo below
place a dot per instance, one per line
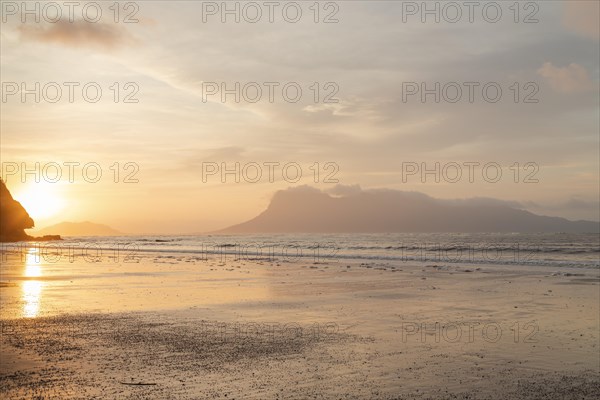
(41, 200)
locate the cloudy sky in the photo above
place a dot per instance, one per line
(367, 124)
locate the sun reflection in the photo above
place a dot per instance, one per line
(32, 289)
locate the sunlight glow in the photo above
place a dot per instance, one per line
(41, 200)
(32, 289)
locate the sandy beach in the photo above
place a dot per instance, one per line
(177, 326)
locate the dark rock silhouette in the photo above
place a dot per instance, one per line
(308, 210)
(14, 219)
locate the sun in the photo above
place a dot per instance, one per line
(41, 200)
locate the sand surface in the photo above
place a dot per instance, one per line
(181, 327)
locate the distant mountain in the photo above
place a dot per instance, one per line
(80, 229)
(305, 209)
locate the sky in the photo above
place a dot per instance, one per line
(163, 129)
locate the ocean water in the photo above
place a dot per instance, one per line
(554, 250)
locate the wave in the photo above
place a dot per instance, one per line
(503, 249)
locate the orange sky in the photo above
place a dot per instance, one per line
(169, 59)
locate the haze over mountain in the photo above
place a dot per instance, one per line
(80, 229)
(309, 210)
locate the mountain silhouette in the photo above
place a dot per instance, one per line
(81, 229)
(308, 210)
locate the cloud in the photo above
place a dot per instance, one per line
(345, 190)
(354, 190)
(582, 204)
(571, 79)
(575, 208)
(572, 203)
(487, 201)
(78, 34)
(225, 153)
(583, 18)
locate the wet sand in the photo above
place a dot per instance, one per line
(172, 326)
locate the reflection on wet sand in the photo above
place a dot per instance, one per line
(31, 288)
(37, 285)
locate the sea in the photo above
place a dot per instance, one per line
(543, 249)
